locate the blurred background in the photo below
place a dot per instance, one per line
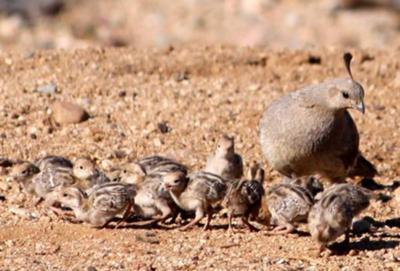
(40, 24)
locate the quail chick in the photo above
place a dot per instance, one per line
(288, 204)
(329, 218)
(225, 162)
(85, 169)
(198, 194)
(332, 215)
(23, 173)
(40, 183)
(151, 165)
(53, 161)
(358, 197)
(153, 200)
(310, 131)
(311, 183)
(244, 197)
(105, 202)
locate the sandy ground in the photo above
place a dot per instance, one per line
(201, 93)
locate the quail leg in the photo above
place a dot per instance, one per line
(37, 201)
(125, 216)
(230, 228)
(209, 217)
(199, 215)
(245, 220)
(285, 229)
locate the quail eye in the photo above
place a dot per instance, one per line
(345, 94)
(24, 172)
(81, 167)
(65, 195)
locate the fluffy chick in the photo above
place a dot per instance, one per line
(332, 215)
(288, 205)
(105, 202)
(198, 194)
(225, 162)
(244, 197)
(85, 169)
(153, 200)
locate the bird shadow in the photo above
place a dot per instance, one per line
(370, 245)
(371, 184)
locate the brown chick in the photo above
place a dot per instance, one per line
(330, 218)
(310, 131)
(332, 215)
(244, 197)
(225, 162)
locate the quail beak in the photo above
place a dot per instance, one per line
(360, 107)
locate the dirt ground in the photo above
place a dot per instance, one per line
(201, 92)
(292, 24)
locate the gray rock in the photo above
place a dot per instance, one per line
(47, 89)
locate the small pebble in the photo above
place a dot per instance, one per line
(163, 127)
(68, 113)
(47, 89)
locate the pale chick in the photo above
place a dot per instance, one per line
(153, 200)
(332, 215)
(244, 197)
(98, 209)
(85, 169)
(199, 194)
(225, 162)
(310, 131)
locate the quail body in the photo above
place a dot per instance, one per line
(310, 131)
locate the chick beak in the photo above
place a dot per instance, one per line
(360, 107)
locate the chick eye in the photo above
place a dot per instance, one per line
(124, 171)
(65, 195)
(345, 94)
(81, 167)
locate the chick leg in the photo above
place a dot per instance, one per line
(125, 216)
(37, 201)
(209, 217)
(285, 229)
(230, 228)
(198, 216)
(321, 248)
(245, 220)
(165, 213)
